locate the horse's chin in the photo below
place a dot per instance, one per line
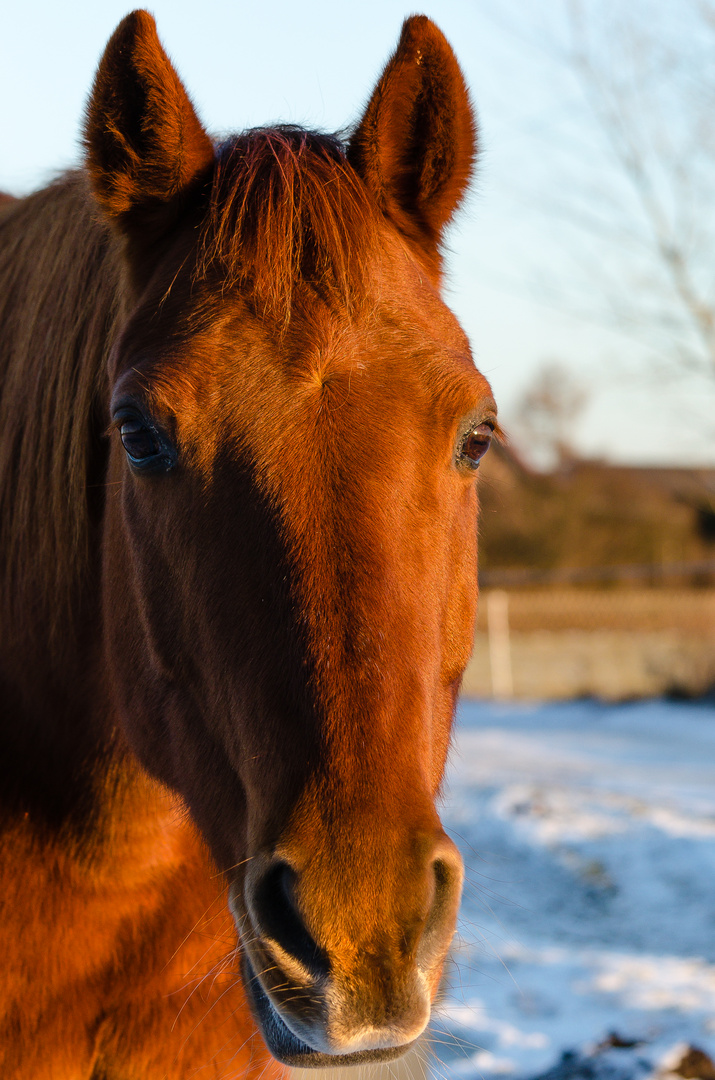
(287, 1047)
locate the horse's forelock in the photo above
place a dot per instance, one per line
(286, 209)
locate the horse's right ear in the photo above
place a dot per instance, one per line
(146, 147)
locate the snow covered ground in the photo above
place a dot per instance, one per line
(589, 909)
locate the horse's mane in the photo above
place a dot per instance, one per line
(58, 296)
(284, 209)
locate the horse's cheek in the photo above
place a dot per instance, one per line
(139, 664)
(458, 618)
(461, 613)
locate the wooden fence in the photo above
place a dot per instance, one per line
(615, 644)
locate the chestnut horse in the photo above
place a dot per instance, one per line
(238, 438)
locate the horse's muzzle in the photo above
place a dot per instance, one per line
(289, 1048)
(343, 1001)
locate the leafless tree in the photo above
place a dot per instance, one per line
(644, 193)
(546, 416)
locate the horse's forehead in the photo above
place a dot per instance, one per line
(378, 333)
(209, 351)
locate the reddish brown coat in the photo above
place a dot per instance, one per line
(228, 670)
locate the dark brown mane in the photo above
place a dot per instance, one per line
(58, 301)
(287, 209)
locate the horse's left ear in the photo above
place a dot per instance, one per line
(415, 146)
(145, 145)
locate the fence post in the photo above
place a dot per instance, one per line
(499, 643)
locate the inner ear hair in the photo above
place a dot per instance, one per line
(145, 146)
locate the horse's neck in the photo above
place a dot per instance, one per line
(56, 737)
(68, 778)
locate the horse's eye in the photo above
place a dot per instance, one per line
(475, 445)
(139, 441)
(148, 448)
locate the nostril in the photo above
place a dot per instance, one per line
(441, 920)
(441, 875)
(443, 887)
(276, 913)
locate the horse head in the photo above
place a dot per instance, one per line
(289, 546)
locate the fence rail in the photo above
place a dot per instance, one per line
(638, 610)
(572, 575)
(611, 643)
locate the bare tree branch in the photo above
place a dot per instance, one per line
(649, 209)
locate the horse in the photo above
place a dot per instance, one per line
(239, 435)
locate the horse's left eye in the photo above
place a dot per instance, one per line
(475, 445)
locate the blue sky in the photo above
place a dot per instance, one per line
(315, 64)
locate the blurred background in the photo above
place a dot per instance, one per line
(582, 783)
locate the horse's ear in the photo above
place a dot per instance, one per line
(146, 147)
(415, 146)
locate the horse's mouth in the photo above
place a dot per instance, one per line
(287, 1047)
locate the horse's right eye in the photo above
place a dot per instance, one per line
(146, 446)
(139, 441)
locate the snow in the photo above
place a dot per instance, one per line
(588, 833)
